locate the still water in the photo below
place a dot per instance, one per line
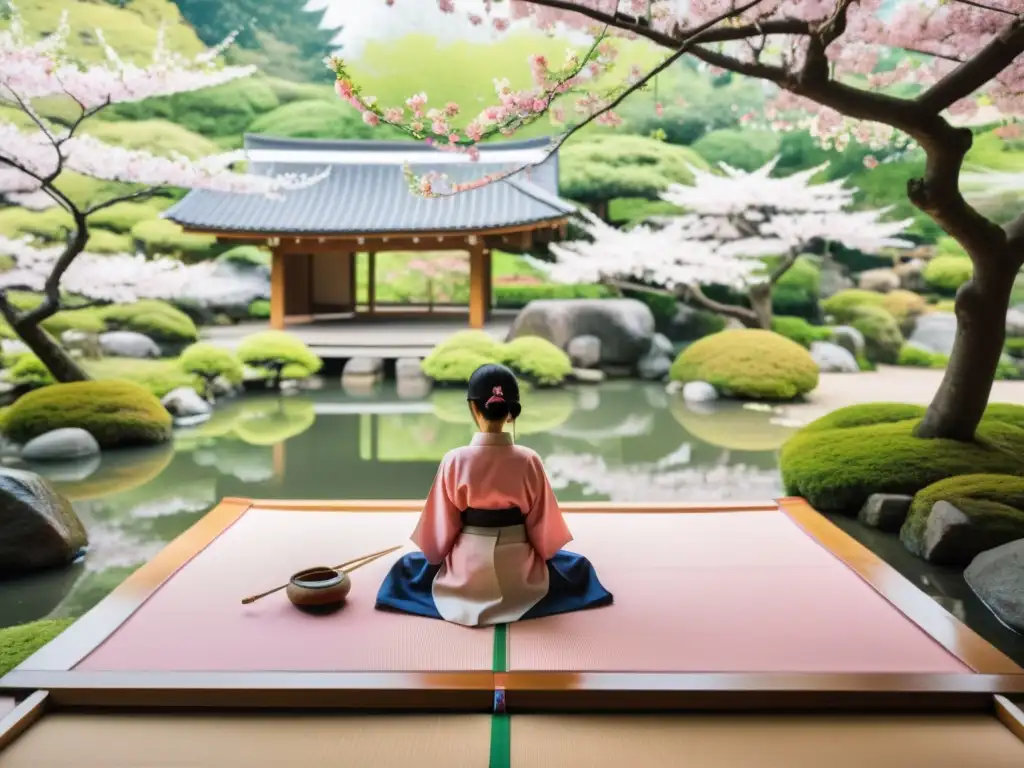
(619, 441)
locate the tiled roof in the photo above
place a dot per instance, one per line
(366, 191)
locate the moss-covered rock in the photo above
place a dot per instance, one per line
(882, 336)
(156, 319)
(157, 376)
(993, 506)
(799, 330)
(946, 274)
(279, 354)
(246, 257)
(101, 241)
(905, 306)
(748, 364)
(27, 370)
(537, 359)
(839, 460)
(162, 236)
(845, 304)
(20, 642)
(116, 413)
(453, 365)
(259, 309)
(208, 361)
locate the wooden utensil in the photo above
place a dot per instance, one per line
(345, 568)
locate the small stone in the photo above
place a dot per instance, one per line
(588, 375)
(660, 343)
(409, 368)
(935, 331)
(881, 280)
(655, 365)
(223, 387)
(849, 338)
(191, 421)
(832, 358)
(945, 530)
(584, 351)
(185, 402)
(312, 383)
(128, 344)
(61, 445)
(699, 392)
(86, 344)
(997, 578)
(364, 366)
(885, 511)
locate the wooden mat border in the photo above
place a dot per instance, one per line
(52, 669)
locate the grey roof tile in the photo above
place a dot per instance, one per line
(375, 198)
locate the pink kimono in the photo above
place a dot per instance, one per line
(491, 537)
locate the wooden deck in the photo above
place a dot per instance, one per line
(376, 335)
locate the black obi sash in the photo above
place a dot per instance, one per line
(492, 518)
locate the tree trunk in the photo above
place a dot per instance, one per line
(50, 353)
(761, 303)
(981, 307)
(748, 317)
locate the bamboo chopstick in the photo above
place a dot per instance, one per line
(346, 567)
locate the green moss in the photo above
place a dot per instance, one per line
(259, 309)
(905, 306)
(537, 359)
(517, 296)
(20, 642)
(882, 336)
(159, 137)
(121, 217)
(101, 241)
(839, 460)
(116, 413)
(51, 225)
(947, 273)
(796, 293)
(279, 351)
(155, 319)
(921, 358)
(748, 363)
(799, 330)
(843, 305)
(157, 376)
(162, 236)
(210, 361)
(747, 150)
(28, 371)
(1015, 348)
(246, 256)
(994, 504)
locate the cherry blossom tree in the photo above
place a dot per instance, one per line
(31, 163)
(831, 63)
(734, 221)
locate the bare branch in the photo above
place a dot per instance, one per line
(138, 195)
(984, 7)
(783, 267)
(746, 316)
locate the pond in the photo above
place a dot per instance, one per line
(618, 441)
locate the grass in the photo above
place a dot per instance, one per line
(158, 376)
(20, 642)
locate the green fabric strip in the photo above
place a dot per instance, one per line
(501, 724)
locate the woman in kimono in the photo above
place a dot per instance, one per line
(491, 533)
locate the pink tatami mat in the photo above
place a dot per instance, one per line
(722, 592)
(196, 621)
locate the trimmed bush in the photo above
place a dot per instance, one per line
(101, 241)
(259, 309)
(122, 217)
(745, 149)
(994, 504)
(537, 359)
(839, 460)
(157, 376)
(208, 361)
(246, 257)
(116, 413)
(161, 236)
(1015, 348)
(882, 337)
(27, 370)
(845, 304)
(749, 364)
(20, 642)
(155, 319)
(452, 365)
(799, 330)
(946, 274)
(796, 293)
(280, 354)
(921, 358)
(905, 306)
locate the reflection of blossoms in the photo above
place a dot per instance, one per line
(653, 483)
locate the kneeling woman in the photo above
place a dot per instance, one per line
(491, 533)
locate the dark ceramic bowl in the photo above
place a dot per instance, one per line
(318, 589)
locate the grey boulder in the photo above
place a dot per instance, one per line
(584, 351)
(699, 392)
(60, 445)
(832, 358)
(935, 331)
(185, 402)
(655, 365)
(38, 527)
(128, 344)
(849, 338)
(997, 578)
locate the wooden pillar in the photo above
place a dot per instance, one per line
(277, 290)
(371, 281)
(477, 281)
(488, 283)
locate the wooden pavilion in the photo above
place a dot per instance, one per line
(364, 207)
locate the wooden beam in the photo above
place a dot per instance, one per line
(477, 291)
(371, 281)
(277, 290)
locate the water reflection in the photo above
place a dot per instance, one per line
(620, 441)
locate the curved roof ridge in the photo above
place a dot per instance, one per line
(262, 141)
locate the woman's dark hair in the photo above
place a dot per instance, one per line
(495, 392)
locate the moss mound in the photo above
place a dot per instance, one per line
(157, 376)
(947, 273)
(18, 643)
(839, 460)
(994, 504)
(921, 358)
(538, 359)
(210, 361)
(883, 339)
(155, 319)
(116, 413)
(748, 364)
(799, 330)
(279, 351)
(454, 359)
(27, 370)
(904, 305)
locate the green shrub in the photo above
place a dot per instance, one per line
(157, 376)
(946, 274)
(747, 150)
(994, 504)
(259, 309)
(246, 256)
(1015, 348)
(280, 354)
(839, 460)
(453, 365)
(20, 642)
(160, 137)
(537, 359)
(518, 295)
(208, 361)
(800, 331)
(905, 306)
(101, 241)
(797, 291)
(162, 236)
(27, 370)
(947, 246)
(921, 358)
(480, 342)
(116, 413)
(122, 217)
(156, 319)
(51, 225)
(749, 363)
(882, 337)
(843, 305)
